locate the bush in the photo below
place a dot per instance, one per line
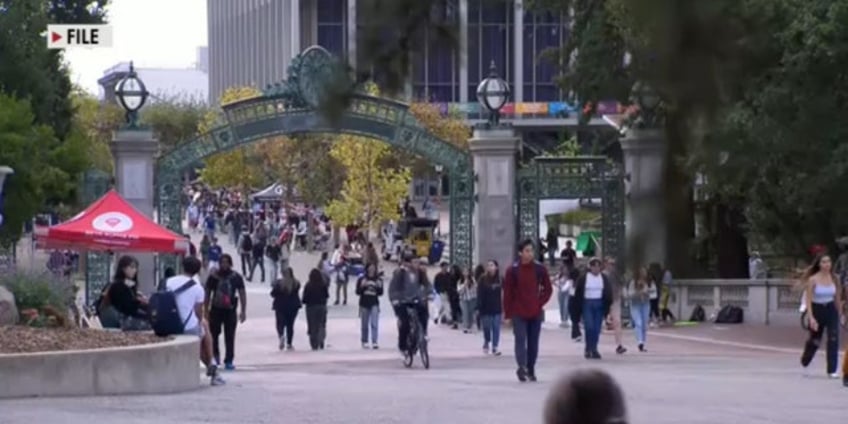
(39, 292)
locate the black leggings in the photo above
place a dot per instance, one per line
(575, 317)
(655, 308)
(827, 318)
(285, 324)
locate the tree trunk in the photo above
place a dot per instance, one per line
(731, 243)
(679, 204)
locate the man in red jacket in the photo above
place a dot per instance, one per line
(527, 288)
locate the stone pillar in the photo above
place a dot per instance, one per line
(134, 152)
(493, 152)
(644, 154)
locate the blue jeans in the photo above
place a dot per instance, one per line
(491, 330)
(593, 318)
(468, 309)
(640, 313)
(370, 319)
(562, 297)
(526, 332)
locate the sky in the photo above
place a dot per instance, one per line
(151, 33)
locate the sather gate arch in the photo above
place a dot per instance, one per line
(291, 107)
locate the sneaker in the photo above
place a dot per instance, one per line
(587, 354)
(375, 347)
(289, 347)
(531, 375)
(642, 348)
(229, 366)
(805, 371)
(521, 373)
(595, 355)
(366, 346)
(845, 381)
(621, 350)
(496, 352)
(217, 380)
(282, 342)
(211, 370)
(834, 376)
(486, 348)
(577, 339)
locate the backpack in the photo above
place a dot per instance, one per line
(246, 244)
(164, 314)
(698, 314)
(730, 314)
(223, 296)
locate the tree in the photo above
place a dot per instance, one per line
(280, 159)
(96, 121)
(174, 121)
(370, 193)
(45, 168)
(234, 168)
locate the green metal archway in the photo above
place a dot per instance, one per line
(290, 108)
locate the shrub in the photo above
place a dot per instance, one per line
(39, 292)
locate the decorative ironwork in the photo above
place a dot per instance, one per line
(587, 177)
(94, 185)
(291, 107)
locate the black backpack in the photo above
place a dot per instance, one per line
(246, 244)
(164, 314)
(698, 314)
(730, 314)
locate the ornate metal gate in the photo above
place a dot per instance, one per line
(581, 177)
(290, 107)
(94, 185)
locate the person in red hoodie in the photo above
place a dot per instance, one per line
(526, 290)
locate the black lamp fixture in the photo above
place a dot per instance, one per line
(493, 93)
(132, 94)
(646, 97)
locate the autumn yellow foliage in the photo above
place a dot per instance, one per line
(452, 129)
(233, 168)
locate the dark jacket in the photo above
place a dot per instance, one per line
(489, 295)
(580, 293)
(369, 290)
(526, 290)
(286, 300)
(442, 282)
(402, 289)
(274, 252)
(258, 249)
(316, 293)
(125, 300)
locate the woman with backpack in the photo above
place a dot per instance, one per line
(123, 295)
(468, 297)
(286, 295)
(639, 291)
(316, 293)
(369, 288)
(489, 300)
(246, 251)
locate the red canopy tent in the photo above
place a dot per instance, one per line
(111, 224)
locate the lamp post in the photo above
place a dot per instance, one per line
(131, 94)
(4, 171)
(493, 94)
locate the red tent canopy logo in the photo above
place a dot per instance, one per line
(112, 222)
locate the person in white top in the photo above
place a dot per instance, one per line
(594, 297)
(190, 307)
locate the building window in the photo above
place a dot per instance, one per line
(332, 26)
(490, 38)
(542, 31)
(435, 71)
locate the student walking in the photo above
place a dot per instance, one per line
(823, 295)
(224, 293)
(316, 293)
(468, 297)
(490, 306)
(563, 285)
(639, 292)
(286, 295)
(527, 288)
(594, 297)
(573, 309)
(369, 288)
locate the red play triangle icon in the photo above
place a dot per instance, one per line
(54, 37)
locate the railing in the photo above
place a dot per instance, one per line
(770, 302)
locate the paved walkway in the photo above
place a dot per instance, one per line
(704, 375)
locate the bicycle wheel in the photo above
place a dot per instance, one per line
(425, 354)
(411, 347)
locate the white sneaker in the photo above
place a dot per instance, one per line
(834, 375)
(366, 346)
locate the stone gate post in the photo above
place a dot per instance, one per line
(644, 156)
(493, 151)
(134, 152)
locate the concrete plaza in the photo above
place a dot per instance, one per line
(688, 378)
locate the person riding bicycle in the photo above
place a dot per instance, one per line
(404, 292)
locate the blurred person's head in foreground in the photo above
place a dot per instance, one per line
(589, 396)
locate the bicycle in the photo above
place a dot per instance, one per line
(416, 341)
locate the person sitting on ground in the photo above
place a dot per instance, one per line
(588, 396)
(190, 307)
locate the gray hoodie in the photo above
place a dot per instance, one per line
(404, 286)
